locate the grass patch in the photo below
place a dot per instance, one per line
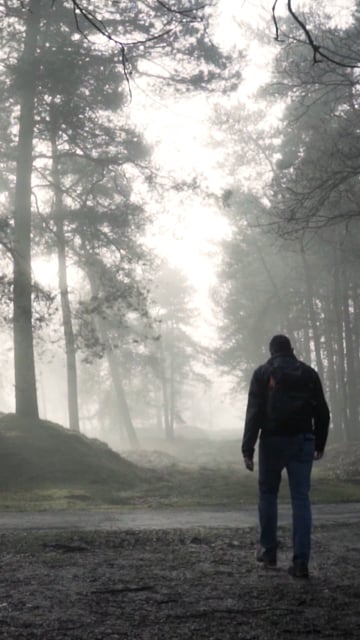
(182, 488)
(45, 466)
(327, 489)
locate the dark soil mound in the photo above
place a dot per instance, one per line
(38, 454)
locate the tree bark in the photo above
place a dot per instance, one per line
(330, 338)
(70, 350)
(340, 357)
(351, 382)
(306, 344)
(172, 390)
(159, 415)
(24, 360)
(288, 323)
(169, 431)
(121, 401)
(122, 405)
(356, 333)
(312, 315)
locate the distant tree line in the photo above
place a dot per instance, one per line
(77, 176)
(292, 263)
(73, 169)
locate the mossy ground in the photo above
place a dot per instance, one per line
(170, 584)
(45, 466)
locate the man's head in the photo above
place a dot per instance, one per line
(280, 344)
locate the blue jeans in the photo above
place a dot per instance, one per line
(295, 454)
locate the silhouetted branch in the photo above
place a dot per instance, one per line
(275, 21)
(191, 14)
(101, 28)
(319, 54)
(182, 12)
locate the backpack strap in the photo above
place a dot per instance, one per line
(271, 383)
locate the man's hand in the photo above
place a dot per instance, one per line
(318, 455)
(249, 463)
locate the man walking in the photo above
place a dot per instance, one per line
(286, 404)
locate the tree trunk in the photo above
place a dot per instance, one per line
(169, 426)
(312, 315)
(356, 334)
(172, 398)
(24, 360)
(288, 323)
(351, 382)
(159, 415)
(340, 357)
(331, 369)
(172, 390)
(70, 351)
(121, 402)
(122, 405)
(306, 345)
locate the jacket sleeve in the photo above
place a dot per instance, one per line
(321, 415)
(254, 414)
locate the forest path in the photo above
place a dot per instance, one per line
(165, 518)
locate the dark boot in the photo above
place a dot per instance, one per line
(267, 557)
(298, 569)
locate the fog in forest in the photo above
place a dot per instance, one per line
(176, 187)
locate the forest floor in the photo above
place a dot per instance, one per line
(193, 584)
(155, 582)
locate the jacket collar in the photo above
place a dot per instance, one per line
(280, 358)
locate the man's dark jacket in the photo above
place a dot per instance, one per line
(316, 422)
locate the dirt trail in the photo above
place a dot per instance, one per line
(156, 575)
(105, 519)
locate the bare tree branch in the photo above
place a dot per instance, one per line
(101, 28)
(275, 21)
(319, 53)
(190, 14)
(182, 12)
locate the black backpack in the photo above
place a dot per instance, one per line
(289, 398)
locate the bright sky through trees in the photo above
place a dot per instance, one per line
(195, 159)
(188, 225)
(187, 229)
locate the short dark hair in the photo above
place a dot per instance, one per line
(280, 344)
